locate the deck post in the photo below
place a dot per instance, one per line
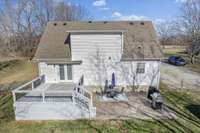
(32, 86)
(73, 97)
(43, 96)
(14, 96)
(89, 113)
(91, 102)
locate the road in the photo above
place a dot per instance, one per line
(179, 77)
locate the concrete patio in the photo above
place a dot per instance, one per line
(137, 106)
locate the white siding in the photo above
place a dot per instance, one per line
(50, 72)
(126, 73)
(101, 55)
(93, 49)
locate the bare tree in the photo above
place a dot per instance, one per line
(191, 23)
(100, 67)
(22, 22)
(69, 12)
(164, 30)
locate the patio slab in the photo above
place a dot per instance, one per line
(118, 98)
(137, 106)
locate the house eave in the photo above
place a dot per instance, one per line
(96, 31)
(59, 61)
(140, 59)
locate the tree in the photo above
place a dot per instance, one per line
(22, 22)
(164, 30)
(99, 68)
(191, 23)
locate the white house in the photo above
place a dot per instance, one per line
(70, 52)
(129, 49)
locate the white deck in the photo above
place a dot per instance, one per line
(60, 92)
(57, 104)
(49, 111)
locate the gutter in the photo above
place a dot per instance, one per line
(141, 59)
(58, 61)
(96, 31)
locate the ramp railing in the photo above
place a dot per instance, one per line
(84, 98)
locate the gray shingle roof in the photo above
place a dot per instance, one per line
(140, 41)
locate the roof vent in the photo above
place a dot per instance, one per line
(142, 23)
(131, 23)
(64, 24)
(55, 24)
(105, 22)
(89, 21)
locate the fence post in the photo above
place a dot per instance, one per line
(182, 81)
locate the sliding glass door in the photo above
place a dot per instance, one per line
(65, 72)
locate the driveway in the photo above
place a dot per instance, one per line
(179, 77)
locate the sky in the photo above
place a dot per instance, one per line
(155, 10)
(107, 10)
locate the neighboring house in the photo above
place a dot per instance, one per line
(96, 50)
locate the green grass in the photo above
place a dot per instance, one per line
(184, 103)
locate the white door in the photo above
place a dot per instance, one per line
(65, 73)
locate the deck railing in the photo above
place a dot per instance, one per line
(28, 87)
(83, 97)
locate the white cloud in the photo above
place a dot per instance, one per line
(105, 8)
(133, 17)
(181, 1)
(119, 16)
(116, 15)
(99, 3)
(159, 20)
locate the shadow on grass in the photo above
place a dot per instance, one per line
(194, 109)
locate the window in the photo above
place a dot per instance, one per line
(69, 72)
(140, 68)
(62, 72)
(65, 72)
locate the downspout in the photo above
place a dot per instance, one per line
(158, 79)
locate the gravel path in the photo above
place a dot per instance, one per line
(179, 77)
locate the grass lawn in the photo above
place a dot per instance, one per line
(185, 104)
